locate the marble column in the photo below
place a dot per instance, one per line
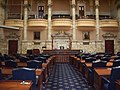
(2, 17)
(97, 19)
(73, 20)
(49, 19)
(25, 19)
(119, 21)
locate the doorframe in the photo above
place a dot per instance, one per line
(113, 44)
(81, 3)
(13, 36)
(9, 44)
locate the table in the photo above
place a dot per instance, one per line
(39, 73)
(14, 85)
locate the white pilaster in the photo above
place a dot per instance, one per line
(73, 20)
(25, 18)
(49, 19)
(97, 19)
(2, 17)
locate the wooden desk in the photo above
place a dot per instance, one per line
(39, 73)
(99, 72)
(118, 85)
(14, 85)
(109, 64)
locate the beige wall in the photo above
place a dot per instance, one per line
(61, 5)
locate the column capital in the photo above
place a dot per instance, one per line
(73, 5)
(97, 3)
(49, 5)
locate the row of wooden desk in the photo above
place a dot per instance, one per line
(44, 72)
(98, 72)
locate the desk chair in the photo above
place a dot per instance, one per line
(95, 64)
(25, 74)
(24, 59)
(116, 63)
(34, 64)
(10, 64)
(90, 59)
(109, 84)
(98, 64)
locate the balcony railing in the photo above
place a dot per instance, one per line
(14, 16)
(86, 22)
(37, 22)
(108, 23)
(62, 22)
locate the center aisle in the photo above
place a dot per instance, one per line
(65, 77)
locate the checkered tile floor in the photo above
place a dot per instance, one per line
(65, 77)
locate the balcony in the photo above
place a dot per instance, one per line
(37, 22)
(61, 23)
(86, 24)
(14, 22)
(109, 24)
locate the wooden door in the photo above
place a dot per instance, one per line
(109, 46)
(13, 47)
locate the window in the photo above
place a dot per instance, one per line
(36, 35)
(86, 35)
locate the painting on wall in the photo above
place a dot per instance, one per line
(86, 35)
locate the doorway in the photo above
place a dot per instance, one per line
(109, 46)
(40, 11)
(81, 11)
(12, 47)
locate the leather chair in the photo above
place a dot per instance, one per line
(34, 64)
(109, 84)
(10, 64)
(116, 63)
(97, 64)
(24, 59)
(90, 59)
(25, 74)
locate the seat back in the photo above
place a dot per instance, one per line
(34, 64)
(96, 64)
(11, 64)
(90, 59)
(24, 59)
(116, 63)
(115, 75)
(24, 74)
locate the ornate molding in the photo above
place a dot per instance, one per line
(12, 36)
(109, 35)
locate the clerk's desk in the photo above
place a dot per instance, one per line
(15, 85)
(99, 72)
(39, 73)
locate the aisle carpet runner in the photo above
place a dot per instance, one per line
(66, 77)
